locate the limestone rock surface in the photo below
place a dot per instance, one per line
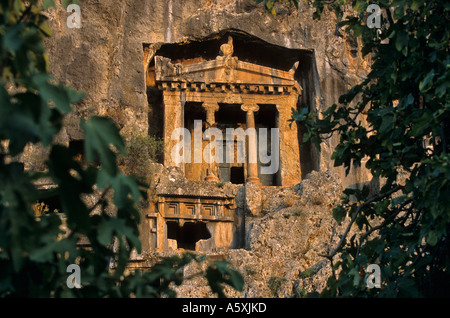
(282, 256)
(105, 57)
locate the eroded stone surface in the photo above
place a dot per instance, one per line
(106, 59)
(282, 256)
(278, 232)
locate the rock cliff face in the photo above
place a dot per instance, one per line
(105, 57)
(283, 229)
(284, 243)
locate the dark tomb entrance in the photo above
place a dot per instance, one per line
(188, 234)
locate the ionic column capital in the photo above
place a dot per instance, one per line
(250, 108)
(210, 108)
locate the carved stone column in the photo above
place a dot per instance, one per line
(173, 118)
(290, 173)
(252, 150)
(211, 109)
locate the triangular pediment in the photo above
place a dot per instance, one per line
(222, 70)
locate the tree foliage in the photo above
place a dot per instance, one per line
(405, 103)
(270, 4)
(35, 251)
(142, 151)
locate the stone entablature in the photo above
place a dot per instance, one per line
(227, 88)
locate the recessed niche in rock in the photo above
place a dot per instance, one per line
(218, 91)
(186, 236)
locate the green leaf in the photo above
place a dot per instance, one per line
(416, 4)
(60, 165)
(21, 129)
(47, 4)
(401, 40)
(441, 90)
(422, 124)
(122, 185)
(67, 2)
(409, 100)
(356, 278)
(12, 39)
(357, 30)
(49, 92)
(75, 96)
(220, 273)
(387, 123)
(237, 280)
(46, 30)
(433, 238)
(339, 213)
(116, 227)
(101, 133)
(423, 86)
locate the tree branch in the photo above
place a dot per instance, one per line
(25, 13)
(100, 200)
(389, 16)
(386, 222)
(355, 215)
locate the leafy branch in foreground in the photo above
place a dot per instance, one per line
(36, 251)
(406, 139)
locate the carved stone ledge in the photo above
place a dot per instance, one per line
(229, 88)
